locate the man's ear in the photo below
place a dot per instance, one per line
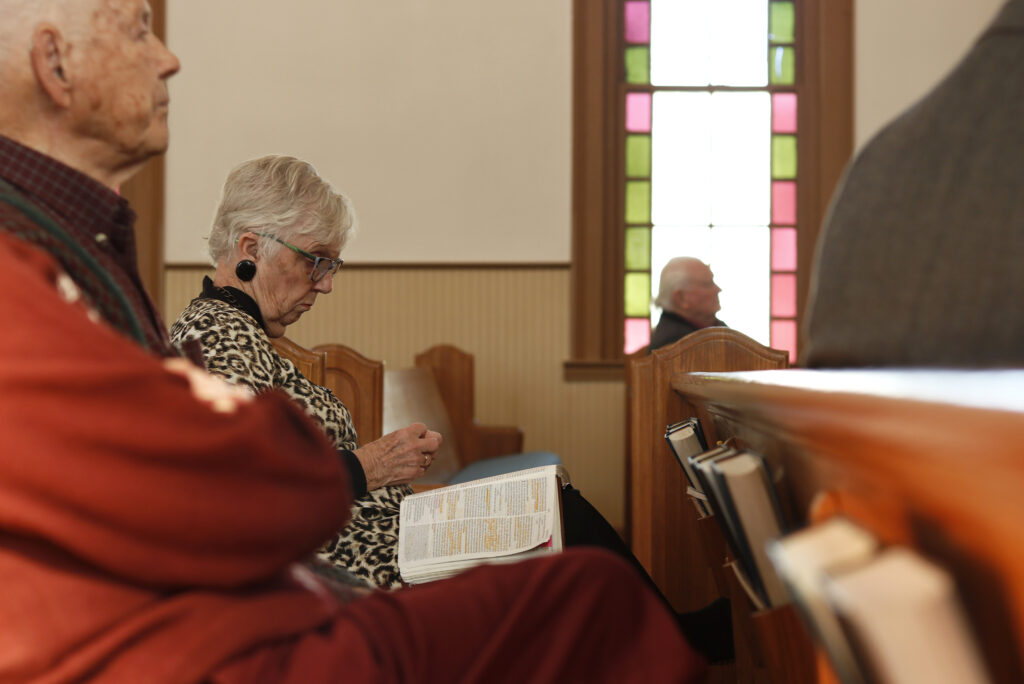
(679, 300)
(248, 244)
(49, 62)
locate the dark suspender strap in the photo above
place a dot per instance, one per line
(10, 196)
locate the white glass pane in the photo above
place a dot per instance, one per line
(681, 159)
(739, 259)
(709, 42)
(741, 158)
(740, 42)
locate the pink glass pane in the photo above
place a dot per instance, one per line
(638, 112)
(638, 22)
(784, 203)
(638, 334)
(784, 337)
(784, 113)
(783, 294)
(783, 249)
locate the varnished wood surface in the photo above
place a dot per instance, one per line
(308, 361)
(359, 383)
(452, 369)
(662, 526)
(924, 458)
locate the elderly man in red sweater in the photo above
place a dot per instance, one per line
(150, 517)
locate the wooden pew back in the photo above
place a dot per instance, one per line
(411, 395)
(309, 362)
(663, 529)
(359, 383)
(438, 392)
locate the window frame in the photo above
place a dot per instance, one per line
(824, 73)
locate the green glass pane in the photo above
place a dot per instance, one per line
(638, 294)
(638, 249)
(638, 156)
(783, 156)
(638, 64)
(638, 202)
(781, 20)
(781, 66)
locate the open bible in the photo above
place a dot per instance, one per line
(497, 519)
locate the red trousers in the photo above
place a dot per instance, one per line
(582, 616)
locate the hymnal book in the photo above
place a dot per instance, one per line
(497, 519)
(694, 423)
(742, 497)
(903, 616)
(703, 485)
(686, 439)
(747, 493)
(802, 560)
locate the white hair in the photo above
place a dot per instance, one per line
(283, 197)
(18, 19)
(674, 277)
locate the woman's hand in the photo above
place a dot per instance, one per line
(399, 457)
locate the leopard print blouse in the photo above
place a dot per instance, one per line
(236, 348)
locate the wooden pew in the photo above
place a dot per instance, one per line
(359, 383)
(437, 391)
(663, 530)
(310, 362)
(925, 459)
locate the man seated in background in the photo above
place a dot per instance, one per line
(688, 297)
(151, 516)
(920, 259)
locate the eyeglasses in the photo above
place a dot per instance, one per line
(322, 266)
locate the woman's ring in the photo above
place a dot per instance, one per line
(426, 460)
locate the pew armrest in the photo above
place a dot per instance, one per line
(489, 441)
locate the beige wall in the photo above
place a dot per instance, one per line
(514, 322)
(904, 47)
(448, 122)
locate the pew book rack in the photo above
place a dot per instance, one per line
(886, 449)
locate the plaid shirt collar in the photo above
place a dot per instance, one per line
(83, 202)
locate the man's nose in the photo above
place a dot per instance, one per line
(169, 63)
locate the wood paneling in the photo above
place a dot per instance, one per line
(513, 321)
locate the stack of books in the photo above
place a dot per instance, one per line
(686, 439)
(881, 615)
(736, 487)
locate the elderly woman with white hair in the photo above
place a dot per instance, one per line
(276, 239)
(275, 242)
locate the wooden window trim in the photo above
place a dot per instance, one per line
(825, 67)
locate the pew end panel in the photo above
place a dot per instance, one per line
(359, 383)
(310, 362)
(663, 524)
(452, 369)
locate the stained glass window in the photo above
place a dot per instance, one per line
(711, 158)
